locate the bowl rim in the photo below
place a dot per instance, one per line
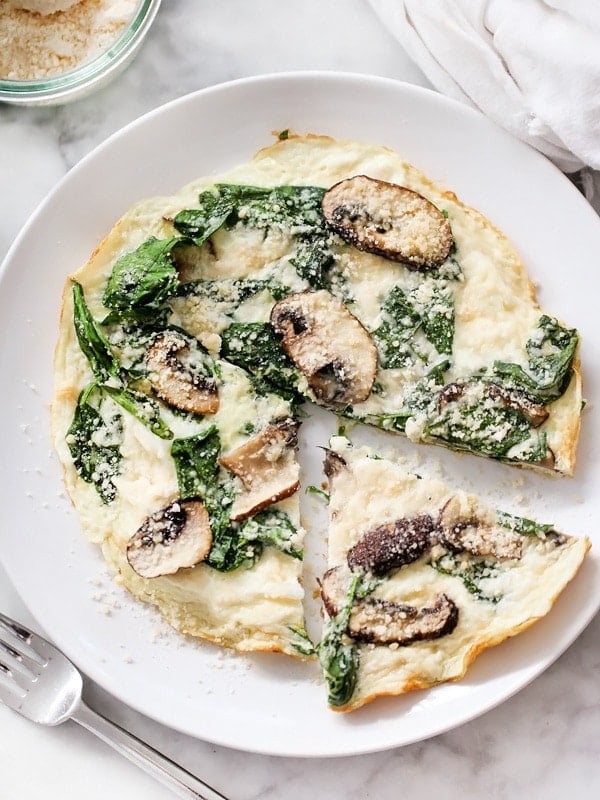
(66, 85)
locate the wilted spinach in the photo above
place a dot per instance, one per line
(142, 281)
(94, 443)
(522, 525)
(199, 224)
(313, 260)
(480, 426)
(550, 351)
(255, 347)
(272, 527)
(404, 316)
(232, 292)
(470, 572)
(297, 208)
(93, 343)
(339, 655)
(111, 378)
(142, 407)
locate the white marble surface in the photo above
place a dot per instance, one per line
(542, 743)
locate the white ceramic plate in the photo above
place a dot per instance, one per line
(265, 703)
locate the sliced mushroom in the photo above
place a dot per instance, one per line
(267, 467)
(328, 345)
(333, 464)
(549, 459)
(557, 538)
(462, 529)
(535, 413)
(385, 622)
(176, 537)
(388, 220)
(392, 545)
(174, 381)
(450, 394)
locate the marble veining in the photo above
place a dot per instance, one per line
(541, 744)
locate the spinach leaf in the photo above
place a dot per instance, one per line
(387, 422)
(339, 656)
(318, 491)
(423, 396)
(106, 367)
(142, 407)
(94, 443)
(92, 341)
(551, 351)
(199, 224)
(198, 475)
(232, 292)
(302, 643)
(196, 463)
(526, 527)
(272, 527)
(533, 450)
(255, 347)
(231, 551)
(313, 260)
(438, 320)
(395, 335)
(404, 315)
(470, 572)
(297, 208)
(420, 401)
(143, 280)
(478, 425)
(129, 341)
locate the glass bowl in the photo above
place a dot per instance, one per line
(90, 75)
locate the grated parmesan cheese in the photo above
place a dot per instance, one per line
(41, 45)
(43, 6)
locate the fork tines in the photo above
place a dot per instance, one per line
(19, 661)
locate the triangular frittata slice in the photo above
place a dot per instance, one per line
(422, 578)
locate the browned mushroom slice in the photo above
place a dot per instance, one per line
(548, 460)
(333, 464)
(460, 529)
(535, 413)
(174, 380)
(328, 345)
(388, 220)
(392, 545)
(385, 622)
(450, 394)
(267, 467)
(171, 539)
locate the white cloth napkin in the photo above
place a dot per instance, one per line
(533, 66)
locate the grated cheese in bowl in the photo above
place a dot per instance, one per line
(45, 38)
(44, 7)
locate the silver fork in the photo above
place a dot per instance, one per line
(39, 682)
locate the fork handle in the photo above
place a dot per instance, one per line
(176, 778)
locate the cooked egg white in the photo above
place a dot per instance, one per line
(369, 492)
